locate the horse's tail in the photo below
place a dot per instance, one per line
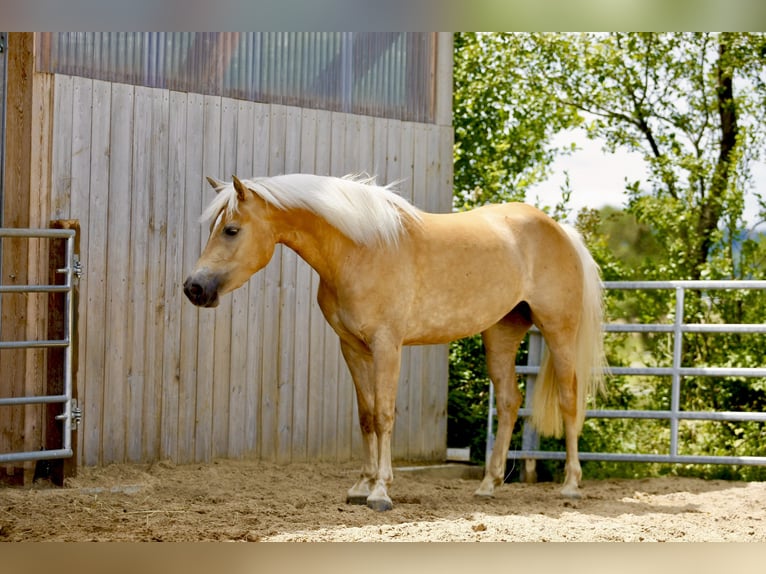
(590, 360)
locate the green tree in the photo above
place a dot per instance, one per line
(502, 134)
(692, 104)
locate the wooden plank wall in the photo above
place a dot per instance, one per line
(24, 261)
(261, 375)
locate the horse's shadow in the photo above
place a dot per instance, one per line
(605, 498)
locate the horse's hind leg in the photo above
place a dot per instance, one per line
(501, 341)
(562, 355)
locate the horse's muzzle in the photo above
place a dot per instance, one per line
(202, 290)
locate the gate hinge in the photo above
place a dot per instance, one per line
(77, 266)
(75, 414)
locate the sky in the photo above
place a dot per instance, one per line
(597, 178)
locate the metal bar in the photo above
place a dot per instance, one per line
(668, 371)
(702, 285)
(36, 455)
(36, 233)
(530, 439)
(625, 457)
(33, 344)
(686, 328)
(68, 353)
(36, 400)
(675, 385)
(730, 416)
(490, 444)
(33, 288)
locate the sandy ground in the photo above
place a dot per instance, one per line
(257, 501)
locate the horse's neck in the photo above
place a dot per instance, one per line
(318, 243)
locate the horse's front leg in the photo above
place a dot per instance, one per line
(360, 366)
(386, 363)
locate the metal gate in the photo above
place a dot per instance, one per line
(530, 441)
(70, 413)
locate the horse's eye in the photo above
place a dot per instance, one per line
(231, 230)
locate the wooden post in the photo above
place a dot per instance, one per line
(26, 200)
(59, 469)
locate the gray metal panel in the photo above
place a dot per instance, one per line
(385, 74)
(70, 415)
(530, 443)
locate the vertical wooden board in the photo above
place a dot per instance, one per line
(446, 171)
(286, 351)
(433, 183)
(271, 299)
(289, 323)
(346, 159)
(316, 323)
(303, 308)
(191, 240)
(92, 375)
(41, 128)
(310, 148)
(445, 151)
(348, 162)
(138, 270)
(365, 131)
(335, 444)
(156, 321)
(432, 385)
(402, 157)
(63, 153)
(440, 382)
(240, 344)
(326, 368)
(173, 297)
(16, 213)
(417, 365)
(78, 186)
(256, 333)
(394, 169)
(227, 158)
(203, 443)
(380, 150)
(117, 287)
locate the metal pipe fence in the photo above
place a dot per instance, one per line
(530, 449)
(70, 413)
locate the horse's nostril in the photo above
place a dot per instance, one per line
(193, 290)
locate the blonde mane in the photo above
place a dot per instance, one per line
(366, 213)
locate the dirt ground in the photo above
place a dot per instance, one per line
(258, 501)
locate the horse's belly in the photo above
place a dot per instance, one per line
(448, 315)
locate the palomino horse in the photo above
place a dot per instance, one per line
(392, 275)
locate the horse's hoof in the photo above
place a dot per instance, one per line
(483, 495)
(359, 499)
(571, 493)
(380, 504)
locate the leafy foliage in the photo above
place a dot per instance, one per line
(692, 104)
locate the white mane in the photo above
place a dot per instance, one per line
(366, 213)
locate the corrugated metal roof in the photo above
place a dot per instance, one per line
(387, 74)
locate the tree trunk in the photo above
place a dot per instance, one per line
(711, 207)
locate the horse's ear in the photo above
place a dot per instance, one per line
(240, 188)
(216, 184)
